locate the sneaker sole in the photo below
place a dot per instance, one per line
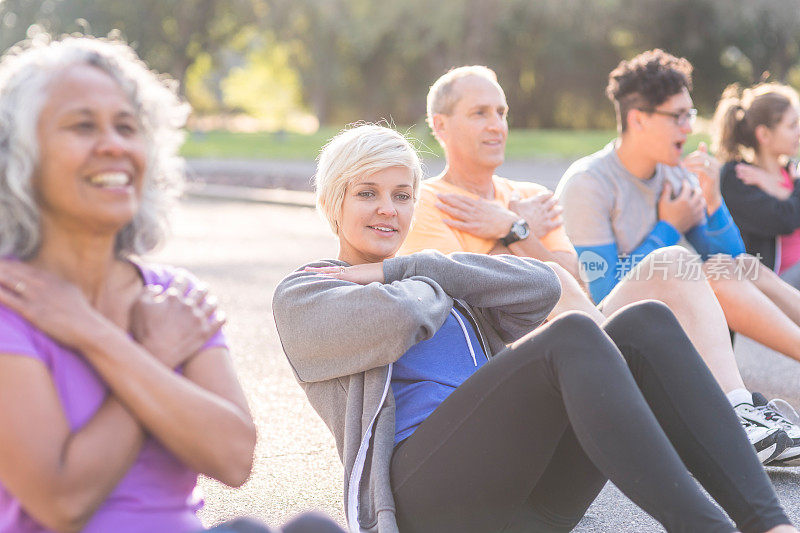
(794, 461)
(788, 457)
(773, 447)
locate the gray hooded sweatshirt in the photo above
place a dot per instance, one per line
(341, 339)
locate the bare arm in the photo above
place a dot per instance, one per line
(201, 417)
(141, 379)
(52, 470)
(491, 220)
(482, 218)
(543, 214)
(533, 247)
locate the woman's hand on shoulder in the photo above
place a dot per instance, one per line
(753, 175)
(363, 274)
(53, 305)
(173, 323)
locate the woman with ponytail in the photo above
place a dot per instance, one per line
(757, 131)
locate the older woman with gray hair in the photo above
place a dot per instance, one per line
(116, 386)
(452, 410)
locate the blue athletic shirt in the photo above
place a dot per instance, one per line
(430, 370)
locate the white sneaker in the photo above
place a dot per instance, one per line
(769, 442)
(780, 414)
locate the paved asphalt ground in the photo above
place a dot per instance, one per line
(243, 249)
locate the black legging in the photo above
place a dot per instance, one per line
(529, 440)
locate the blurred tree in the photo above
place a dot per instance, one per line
(560, 61)
(16, 17)
(359, 59)
(265, 87)
(367, 60)
(314, 26)
(169, 34)
(199, 90)
(766, 32)
(726, 40)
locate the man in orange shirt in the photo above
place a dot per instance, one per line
(439, 228)
(469, 209)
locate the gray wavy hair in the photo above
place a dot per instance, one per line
(25, 72)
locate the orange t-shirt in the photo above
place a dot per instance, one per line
(430, 232)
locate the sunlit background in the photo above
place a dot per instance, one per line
(304, 68)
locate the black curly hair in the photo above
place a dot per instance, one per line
(646, 81)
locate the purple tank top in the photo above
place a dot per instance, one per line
(158, 492)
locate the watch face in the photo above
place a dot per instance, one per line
(519, 230)
(522, 230)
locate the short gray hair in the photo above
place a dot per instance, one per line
(442, 97)
(25, 72)
(356, 153)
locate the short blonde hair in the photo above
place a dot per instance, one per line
(356, 153)
(442, 97)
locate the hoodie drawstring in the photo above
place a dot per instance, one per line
(466, 336)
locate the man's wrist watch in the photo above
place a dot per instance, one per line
(519, 231)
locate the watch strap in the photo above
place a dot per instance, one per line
(519, 230)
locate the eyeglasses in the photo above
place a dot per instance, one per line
(681, 119)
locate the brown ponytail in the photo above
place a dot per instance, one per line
(740, 112)
(727, 123)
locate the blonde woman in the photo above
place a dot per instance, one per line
(443, 427)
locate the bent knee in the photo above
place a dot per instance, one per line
(560, 271)
(647, 311)
(671, 262)
(673, 253)
(569, 285)
(574, 323)
(644, 316)
(577, 338)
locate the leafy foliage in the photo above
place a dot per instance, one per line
(348, 60)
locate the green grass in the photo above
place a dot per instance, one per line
(522, 144)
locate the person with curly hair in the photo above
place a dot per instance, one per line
(639, 194)
(116, 385)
